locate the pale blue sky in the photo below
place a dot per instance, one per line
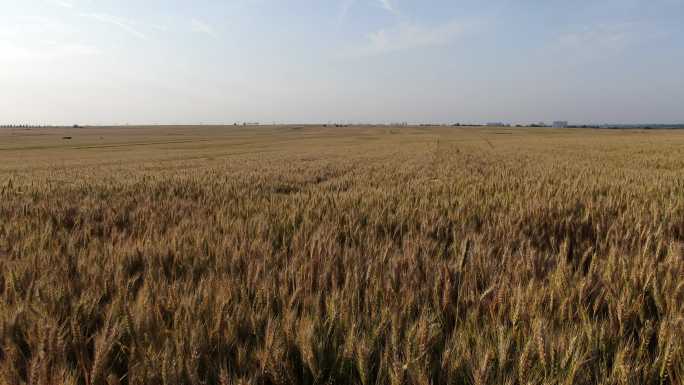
(172, 61)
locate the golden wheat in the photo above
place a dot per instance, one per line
(369, 255)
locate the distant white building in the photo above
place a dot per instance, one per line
(560, 124)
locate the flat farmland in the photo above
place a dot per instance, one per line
(348, 255)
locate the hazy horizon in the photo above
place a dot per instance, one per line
(100, 62)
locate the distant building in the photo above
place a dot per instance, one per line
(560, 124)
(495, 124)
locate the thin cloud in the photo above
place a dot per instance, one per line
(47, 51)
(64, 3)
(123, 24)
(608, 36)
(34, 27)
(202, 27)
(387, 5)
(603, 35)
(410, 36)
(159, 27)
(344, 9)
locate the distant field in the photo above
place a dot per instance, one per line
(354, 255)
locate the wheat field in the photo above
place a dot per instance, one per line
(279, 255)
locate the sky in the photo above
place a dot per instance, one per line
(311, 61)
